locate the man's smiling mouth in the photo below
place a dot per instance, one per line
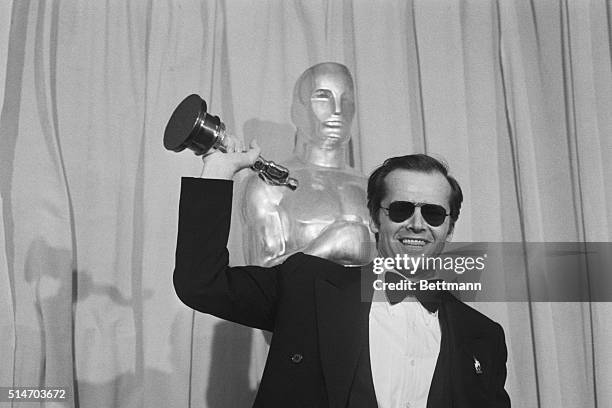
(413, 242)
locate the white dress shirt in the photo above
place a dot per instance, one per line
(404, 348)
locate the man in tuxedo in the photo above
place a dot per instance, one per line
(336, 341)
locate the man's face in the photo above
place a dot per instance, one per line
(332, 104)
(414, 236)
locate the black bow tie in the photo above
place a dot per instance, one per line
(430, 299)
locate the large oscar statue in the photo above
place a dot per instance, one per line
(327, 215)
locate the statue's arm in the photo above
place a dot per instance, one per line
(264, 238)
(345, 241)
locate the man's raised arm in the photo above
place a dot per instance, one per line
(202, 278)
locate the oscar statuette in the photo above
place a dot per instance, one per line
(190, 126)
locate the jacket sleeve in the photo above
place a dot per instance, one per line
(501, 398)
(202, 278)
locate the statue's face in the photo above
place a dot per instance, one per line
(332, 104)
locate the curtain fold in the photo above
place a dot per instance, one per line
(514, 95)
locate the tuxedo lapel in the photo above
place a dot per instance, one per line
(340, 315)
(455, 380)
(471, 362)
(440, 391)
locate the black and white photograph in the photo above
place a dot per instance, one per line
(306, 203)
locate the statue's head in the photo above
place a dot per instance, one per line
(324, 105)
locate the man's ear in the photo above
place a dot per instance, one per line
(451, 230)
(373, 226)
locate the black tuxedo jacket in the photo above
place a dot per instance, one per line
(315, 310)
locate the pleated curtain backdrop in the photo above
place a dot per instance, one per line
(515, 95)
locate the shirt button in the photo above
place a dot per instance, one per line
(296, 358)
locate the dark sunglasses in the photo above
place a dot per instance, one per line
(400, 211)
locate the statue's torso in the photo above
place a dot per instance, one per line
(324, 196)
(280, 221)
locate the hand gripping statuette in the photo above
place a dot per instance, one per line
(190, 126)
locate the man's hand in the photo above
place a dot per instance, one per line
(218, 165)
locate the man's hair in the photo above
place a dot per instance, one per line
(414, 162)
